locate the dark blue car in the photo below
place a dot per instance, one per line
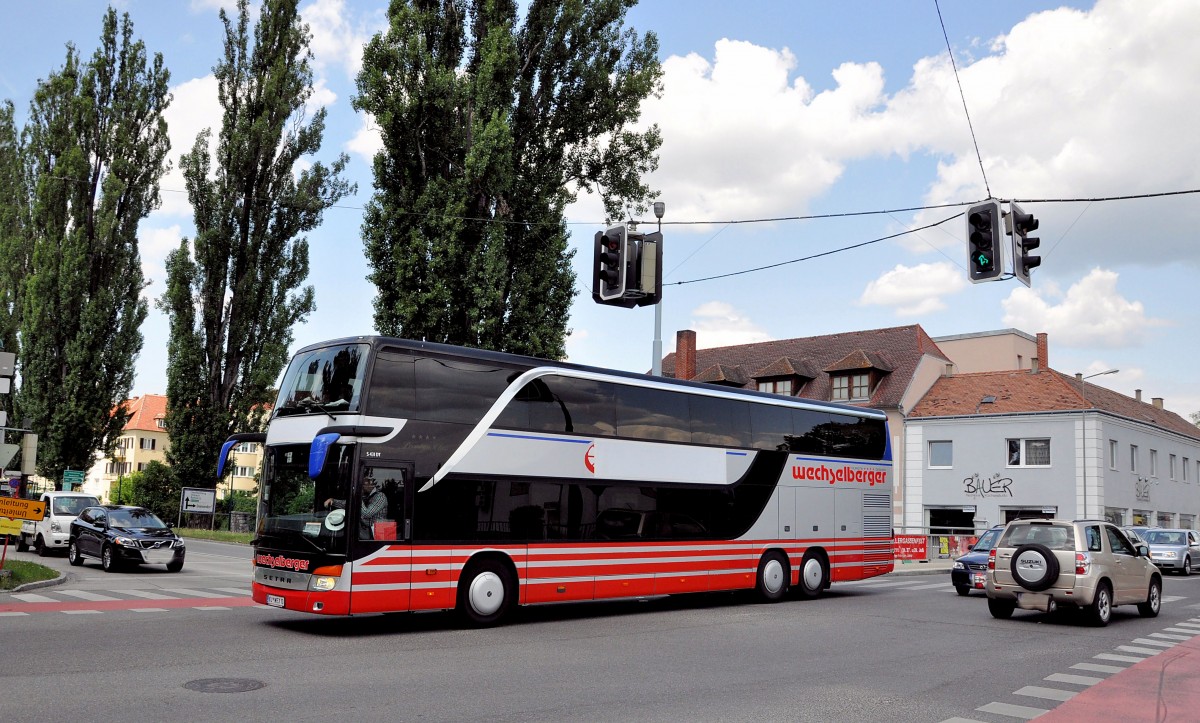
(969, 570)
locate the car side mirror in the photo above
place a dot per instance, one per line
(1143, 550)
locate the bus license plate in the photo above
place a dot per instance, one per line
(275, 601)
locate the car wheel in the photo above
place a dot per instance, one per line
(108, 559)
(22, 543)
(1150, 608)
(1001, 609)
(1187, 565)
(962, 590)
(773, 577)
(1100, 610)
(1034, 567)
(174, 565)
(73, 555)
(814, 575)
(486, 592)
(40, 545)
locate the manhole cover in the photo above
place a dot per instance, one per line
(224, 685)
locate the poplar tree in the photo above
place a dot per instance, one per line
(489, 128)
(236, 290)
(95, 146)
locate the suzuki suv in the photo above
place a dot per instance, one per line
(1086, 564)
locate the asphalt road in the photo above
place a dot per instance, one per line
(901, 649)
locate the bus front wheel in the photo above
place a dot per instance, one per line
(486, 592)
(773, 576)
(814, 574)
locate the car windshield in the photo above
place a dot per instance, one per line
(1165, 537)
(1054, 537)
(135, 518)
(73, 505)
(987, 541)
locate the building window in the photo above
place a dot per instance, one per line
(243, 472)
(1133, 460)
(853, 386)
(247, 447)
(147, 443)
(1171, 466)
(1029, 453)
(1184, 468)
(941, 454)
(162, 423)
(778, 386)
(141, 466)
(1166, 519)
(1154, 463)
(1112, 454)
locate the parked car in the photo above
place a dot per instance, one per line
(970, 570)
(120, 534)
(1086, 564)
(1174, 549)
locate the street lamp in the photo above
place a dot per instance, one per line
(1083, 430)
(656, 363)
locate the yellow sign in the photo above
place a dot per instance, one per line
(20, 509)
(9, 527)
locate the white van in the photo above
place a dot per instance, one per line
(51, 532)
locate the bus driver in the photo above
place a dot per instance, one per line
(374, 507)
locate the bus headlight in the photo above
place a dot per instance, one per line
(325, 577)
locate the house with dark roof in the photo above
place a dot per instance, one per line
(988, 447)
(885, 369)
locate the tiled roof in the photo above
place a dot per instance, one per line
(1023, 391)
(144, 411)
(859, 359)
(900, 347)
(723, 374)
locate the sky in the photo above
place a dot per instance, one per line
(795, 108)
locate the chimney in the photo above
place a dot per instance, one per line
(1157, 401)
(949, 370)
(1043, 351)
(1079, 376)
(685, 354)
(1137, 394)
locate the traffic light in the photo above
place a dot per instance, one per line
(649, 273)
(609, 266)
(985, 263)
(1022, 223)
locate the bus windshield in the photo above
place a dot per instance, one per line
(323, 380)
(293, 514)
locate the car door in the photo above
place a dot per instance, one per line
(1194, 547)
(85, 531)
(1128, 570)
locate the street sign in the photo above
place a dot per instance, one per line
(9, 527)
(7, 452)
(19, 509)
(198, 500)
(72, 477)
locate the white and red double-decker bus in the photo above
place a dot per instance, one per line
(512, 480)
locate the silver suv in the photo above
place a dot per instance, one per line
(1086, 564)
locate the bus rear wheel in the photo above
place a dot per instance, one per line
(814, 574)
(774, 574)
(486, 592)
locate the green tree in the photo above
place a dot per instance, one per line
(235, 291)
(15, 250)
(488, 130)
(96, 144)
(157, 489)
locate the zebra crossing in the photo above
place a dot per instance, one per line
(1044, 698)
(85, 602)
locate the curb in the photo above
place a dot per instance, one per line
(62, 577)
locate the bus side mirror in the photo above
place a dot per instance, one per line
(318, 453)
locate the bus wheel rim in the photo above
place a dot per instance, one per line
(486, 593)
(773, 576)
(812, 573)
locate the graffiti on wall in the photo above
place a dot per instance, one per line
(994, 486)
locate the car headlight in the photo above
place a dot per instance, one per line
(125, 541)
(55, 526)
(178, 543)
(1169, 554)
(959, 566)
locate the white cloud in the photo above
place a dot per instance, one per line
(367, 141)
(153, 246)
(193, 108)
(916, 290)
(338, 36)
(717, 323)
(1092, 313)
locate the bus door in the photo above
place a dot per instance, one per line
(382, 552)
(849, 530)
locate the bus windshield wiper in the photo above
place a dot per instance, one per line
(310, 402)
